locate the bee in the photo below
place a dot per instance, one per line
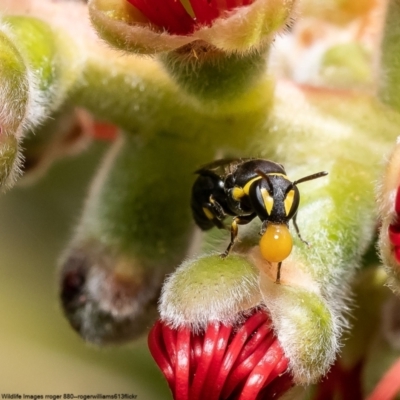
(245, 189)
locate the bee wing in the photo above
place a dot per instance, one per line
(220, 167)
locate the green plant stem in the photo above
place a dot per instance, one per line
(138, 95)
(213, 76)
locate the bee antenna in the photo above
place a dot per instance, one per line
(266, 177)
(310, 177)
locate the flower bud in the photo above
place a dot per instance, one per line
(106, 299)
(235, 26)
(208, 289)
(14, 99)
(34, 79)
(214, 339)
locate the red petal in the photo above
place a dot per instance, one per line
(239, 373)
(260, 373)
(167, 14)
(394, 234)
(160, 354)
(278, 370)
(389, 385)
(277, 388)
(205, 361)
(257, 338)
(230, 4)
(204, 11)
(222, 344)
(182, 365)
(197, 345)
(235, 348)
(397, 202)
(169, 337)
(147, 9)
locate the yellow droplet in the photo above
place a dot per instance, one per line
(276, 243)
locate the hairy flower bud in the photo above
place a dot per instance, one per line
(214, 339)
(205, 289)
(237, 26)
(105, 298)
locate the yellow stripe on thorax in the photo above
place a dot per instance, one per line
(246, 187)
(238, 192)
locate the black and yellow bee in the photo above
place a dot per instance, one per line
(245, 189)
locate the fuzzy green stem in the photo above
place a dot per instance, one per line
(137, 94)
(212, 75)
(138, 204)
(135, 228)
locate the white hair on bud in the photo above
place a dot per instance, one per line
(188, 300)
(310, 352)
(36, 104)
(43, 101)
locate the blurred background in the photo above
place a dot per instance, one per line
(40, 353)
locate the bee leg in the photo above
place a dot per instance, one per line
(234, 232)
(263, 228)
(278, 274)
(298, 231)
(217, 208)
(219, 213)
(214, 212)
(242, 220)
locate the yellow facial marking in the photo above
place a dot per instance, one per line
(246, 187)
(276, 243)
(289, 201)
(237, 193)
(208, 213)
(268, 200)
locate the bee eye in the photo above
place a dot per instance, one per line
(288, 202)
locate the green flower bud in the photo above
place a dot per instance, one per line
(207, 289)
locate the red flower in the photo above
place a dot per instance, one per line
(244, 362)
(394, 228)
(172, 16)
